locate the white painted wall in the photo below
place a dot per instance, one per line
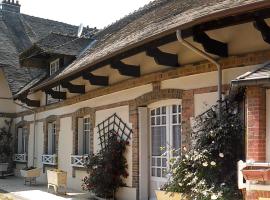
(202, 102)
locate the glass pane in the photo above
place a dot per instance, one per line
(164, 162)
(152, 120)
(174, 109)
(153, 172)
(158, 172)
(163, 119)
(158, 140)
(152, 112)
(179, 119)
(176, 139)
(179, 108)
(158, 111)
(159, 162)
(158, 120)
(174, 119)
(153, 162)
(163, 110)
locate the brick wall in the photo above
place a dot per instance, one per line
(256, 131)
(256, 123)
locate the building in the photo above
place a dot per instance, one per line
(146, 72)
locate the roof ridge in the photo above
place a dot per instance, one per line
(134, 14)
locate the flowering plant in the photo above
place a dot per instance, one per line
(106, 169)
(208, 170)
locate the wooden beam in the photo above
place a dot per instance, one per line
(79, 89)
(262, 26)
(210, 45)
(163, 58)
(126, 69)
(29, 102)
(96, 80)
(56, 94)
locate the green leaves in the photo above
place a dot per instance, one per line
(209, 170)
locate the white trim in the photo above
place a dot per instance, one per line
(56, 64)
(167, 102)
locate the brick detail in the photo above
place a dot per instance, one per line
(187, 113)
(256, 131)
(186, 70)
(82, 113)
(256, 123)
(255, 195)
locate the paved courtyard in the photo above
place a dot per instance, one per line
(14, 189)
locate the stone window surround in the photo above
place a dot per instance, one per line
(82, 112)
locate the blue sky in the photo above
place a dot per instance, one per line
(95, 13)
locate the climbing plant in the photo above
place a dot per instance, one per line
(208, 170)
(107, 168)
(6, 142)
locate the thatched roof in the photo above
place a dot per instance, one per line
(149, 23)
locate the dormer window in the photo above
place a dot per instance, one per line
(54, 66)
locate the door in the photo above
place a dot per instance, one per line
(165, 140)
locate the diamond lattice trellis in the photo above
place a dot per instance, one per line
(113, 126)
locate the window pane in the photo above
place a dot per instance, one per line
(158, 140)
(158, 120)
(174, 119)
(163, 120)
(158, 111)
(164, 110)
(152, 120)
(152, 112)
(158, 172)
(174, 109)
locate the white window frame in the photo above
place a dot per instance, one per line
(83, 130)
(54, 66)
(51, 145)
(22, 139)
(169, 131)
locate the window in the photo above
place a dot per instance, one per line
(84, 129)
(51, 138)
(165, 137)
(22, 140)
(54, 67)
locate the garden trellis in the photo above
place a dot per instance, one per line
(113, 126)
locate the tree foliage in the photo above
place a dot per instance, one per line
(6, 143)
(209, 169)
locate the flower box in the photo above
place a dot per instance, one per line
(262, 174)
(3, 168)
(57, 179)
(30, 175)
(163, 195)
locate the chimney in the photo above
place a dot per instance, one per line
(11, 6)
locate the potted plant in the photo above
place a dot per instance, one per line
(163, 195)
(107, 169)
(57, 178)
(5, 147)
(256, 174)
(30, 174)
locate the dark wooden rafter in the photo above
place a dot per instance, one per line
(126, 69)
(56, 94)
(96, 80)
(210, 45)
(163, 58)
(79, 89)
(29, 102)
(262, 26)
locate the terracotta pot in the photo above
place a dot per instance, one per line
(163, 195)
(257, 174)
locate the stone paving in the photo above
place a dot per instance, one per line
(14, 188)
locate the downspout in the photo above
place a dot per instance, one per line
(210, 59)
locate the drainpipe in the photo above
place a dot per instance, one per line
(35, 119)
(210, 59)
